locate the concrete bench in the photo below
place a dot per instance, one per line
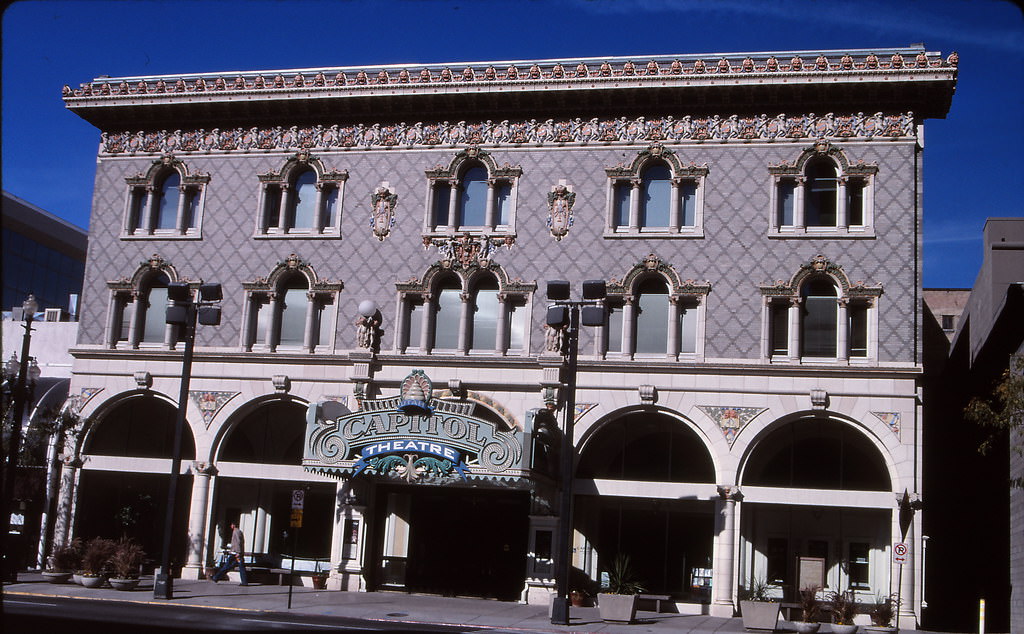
(658, 599)
(286, 572)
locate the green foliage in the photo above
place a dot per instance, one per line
(1003, 411)
(885, 609)
(758, 591)
(809, 605)
(621, 578)
(844, 606)
(127, 559)
(96, 558)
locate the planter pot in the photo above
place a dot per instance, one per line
(123, 584)
(617, 608)
(760, 615)
(844, 629)
(880, 628)
(57, 577)
(93, 581)
(804, 627)
(319, 582)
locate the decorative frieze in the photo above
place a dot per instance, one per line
(731, 420)
(687, 129)
(209, 402)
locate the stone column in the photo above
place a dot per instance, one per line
(148, 214)
(503, 319)
(66, 501)
(634, 205)
(673, 207)
(464, 322)
(453, 205)
(842, 211)
(489, 220)
(842, 345)
(794, 328)
(628, 330)
(723, 581)
(310, 331)
(798, 204)
(673, 326)
(318, 209)
(197, 519)
(282, 210)
(179, 213)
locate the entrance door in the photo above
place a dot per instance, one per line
(467, 542)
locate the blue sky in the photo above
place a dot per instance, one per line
(972, 169)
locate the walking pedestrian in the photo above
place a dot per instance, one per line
(237, 558)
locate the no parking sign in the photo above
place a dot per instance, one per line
(899, 553)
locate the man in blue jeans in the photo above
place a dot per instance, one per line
(237, 558)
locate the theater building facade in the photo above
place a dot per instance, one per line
(383, 236)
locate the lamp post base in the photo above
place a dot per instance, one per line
(559, 611)
(163, 586)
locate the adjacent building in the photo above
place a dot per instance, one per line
(749, 409)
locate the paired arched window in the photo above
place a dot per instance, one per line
(656, 194)
(473, 314)
(303, 198)
(819, 315)
(167, 201)
(291, 311)
(821, 191)
(472, 194)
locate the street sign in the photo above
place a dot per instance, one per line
(899, 553)
(298, 498)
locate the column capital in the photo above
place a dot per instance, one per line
(203, 468)
(729, 492)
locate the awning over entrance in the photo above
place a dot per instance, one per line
(412, 437)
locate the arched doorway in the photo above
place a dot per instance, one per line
(117, 502)
(260, 465)
(667, 536)
(817, 494)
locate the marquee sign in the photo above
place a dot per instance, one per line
(412, 437)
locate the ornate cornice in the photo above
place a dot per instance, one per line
(652, 264)
(820, 265)
(560, 71)
(686, 129)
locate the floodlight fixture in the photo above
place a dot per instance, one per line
(178, 292)
(558, 290)
(210, 292)
(558, 316)
(595, 289)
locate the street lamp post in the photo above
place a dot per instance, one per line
(183, 312)
(564, 313)
(29, 306)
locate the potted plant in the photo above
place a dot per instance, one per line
(617, 603)
(810, 611)
(125, 564)
(844, 609)
(63, 562)
(759, 610)
(95, 562)
(883, 613)
(319, 577)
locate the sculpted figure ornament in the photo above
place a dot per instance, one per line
(382, 216)
(367, 333)
(560, 202)
(554, 339)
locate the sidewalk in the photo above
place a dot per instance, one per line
(394, 607)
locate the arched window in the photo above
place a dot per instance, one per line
(651, 320)
(646, 446)
(153, 308)
(290, 310)
(167, 207)
(301, 198)
(292, 305)
(655, 196)
(822, 192)
(818, 323)
(166, 201)
(472, 194)
(657, 193)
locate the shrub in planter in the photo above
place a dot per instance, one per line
(844, 609)
(125, 563)
(96, 561)
(63, 562)
(884, 611)
(618, 601)
(760, 611)
(810, 611)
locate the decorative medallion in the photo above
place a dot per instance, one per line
(382, 215)
(211, 402)
(560, 218)
(892, 419)
(731, 420)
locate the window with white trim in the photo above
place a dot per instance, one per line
(473, 194)
(654, 313)
(656, 194)
(819, 315)
(301, 199)
(137, 316)
(167, 201)
(291, 311)
(478, 312)
(822, 193)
